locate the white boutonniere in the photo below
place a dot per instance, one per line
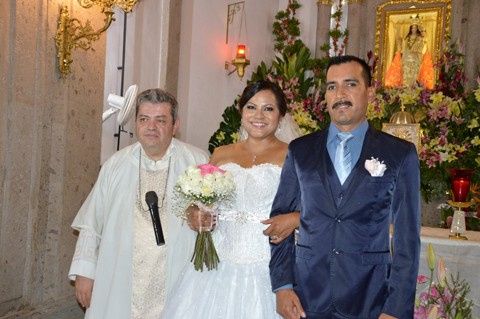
(375, 167)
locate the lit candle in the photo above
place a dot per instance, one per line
(460, 187)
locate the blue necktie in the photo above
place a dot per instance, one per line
(343, 157)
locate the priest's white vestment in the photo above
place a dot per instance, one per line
(106, 217)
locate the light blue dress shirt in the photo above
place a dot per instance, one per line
(355, 144)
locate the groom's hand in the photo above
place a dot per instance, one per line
(288, 304)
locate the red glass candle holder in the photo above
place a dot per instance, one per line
(461, 178)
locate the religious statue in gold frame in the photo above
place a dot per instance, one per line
(408, 41)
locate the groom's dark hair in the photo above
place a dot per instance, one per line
(264, 85)
(341, 59)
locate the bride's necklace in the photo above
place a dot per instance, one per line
(254, 159)
(139, 194)
(255, 155)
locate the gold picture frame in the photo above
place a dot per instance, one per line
(393, 20)
(408, 132)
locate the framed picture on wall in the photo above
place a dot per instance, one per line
(409, 39)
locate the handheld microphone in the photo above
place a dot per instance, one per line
(152, 201)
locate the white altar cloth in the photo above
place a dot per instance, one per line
(461, 256)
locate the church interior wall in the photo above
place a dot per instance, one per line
(204, 88)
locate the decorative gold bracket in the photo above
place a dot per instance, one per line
(240, 62)
(72, 34)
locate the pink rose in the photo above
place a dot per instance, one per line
(207, 169)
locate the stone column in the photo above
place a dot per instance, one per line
(470, 36)
(323, 27)
(50, 147)
(357, 27)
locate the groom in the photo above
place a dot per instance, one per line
(350, 182)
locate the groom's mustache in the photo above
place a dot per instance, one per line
(340, 103)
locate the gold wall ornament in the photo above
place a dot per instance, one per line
(240, 62)
(331, 2)
(72, 34)
(392, 21)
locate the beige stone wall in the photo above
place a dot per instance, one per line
(49, 152)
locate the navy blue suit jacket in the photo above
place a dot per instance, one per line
(342, 265)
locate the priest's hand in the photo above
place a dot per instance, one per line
(281, 226)
(288, 304)
(83, 290)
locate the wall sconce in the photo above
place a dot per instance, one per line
(72, 34)
(240, 62)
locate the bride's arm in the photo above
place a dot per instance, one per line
(281, 226)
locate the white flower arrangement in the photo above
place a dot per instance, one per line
(375, 167)
(205, 185)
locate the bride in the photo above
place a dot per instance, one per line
(240, 287)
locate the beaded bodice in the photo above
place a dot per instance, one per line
(238, 237)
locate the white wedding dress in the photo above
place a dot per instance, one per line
(240, 287)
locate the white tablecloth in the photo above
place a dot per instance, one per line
(461, 256)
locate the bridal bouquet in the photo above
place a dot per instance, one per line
(205, 185)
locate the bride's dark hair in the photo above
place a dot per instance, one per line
(264, 85)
